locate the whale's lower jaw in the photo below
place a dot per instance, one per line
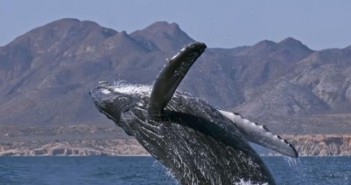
(195, 158)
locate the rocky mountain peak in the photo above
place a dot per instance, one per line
(289, 41)
(163, 27)
(262, 47)
(289, 44)
(162, 35)
(58, 30)
(294, 45)
(65, 32)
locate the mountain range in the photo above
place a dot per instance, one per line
(46, 74)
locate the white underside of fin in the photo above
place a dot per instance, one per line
(259, 134)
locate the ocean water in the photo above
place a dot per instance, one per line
(146, 171)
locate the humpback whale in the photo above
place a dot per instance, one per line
(198, 143)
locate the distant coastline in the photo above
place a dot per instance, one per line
(84, 140)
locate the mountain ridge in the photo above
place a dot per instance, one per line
(46, 74)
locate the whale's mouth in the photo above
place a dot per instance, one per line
(110, 102)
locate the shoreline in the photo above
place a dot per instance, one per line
(87, 140)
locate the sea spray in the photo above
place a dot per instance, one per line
(292, 162)
(296, 167)
(243, 182)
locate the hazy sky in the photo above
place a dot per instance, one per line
(225, 23)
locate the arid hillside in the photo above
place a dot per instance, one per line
(46, 74)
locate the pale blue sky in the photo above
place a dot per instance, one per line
(225, 23)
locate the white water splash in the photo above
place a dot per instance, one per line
(126, 88)
(292, 161)
(243, 182)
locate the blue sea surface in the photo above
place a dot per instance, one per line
(146, 171)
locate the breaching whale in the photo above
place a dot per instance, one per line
(198, 143)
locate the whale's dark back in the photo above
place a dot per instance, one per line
(195, 148)
(191, 138)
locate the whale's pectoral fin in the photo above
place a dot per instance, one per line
(261, 135)
(170, 77)
(227, 134)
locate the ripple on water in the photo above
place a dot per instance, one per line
(145, 171)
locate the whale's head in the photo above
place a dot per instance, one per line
(122, 103)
